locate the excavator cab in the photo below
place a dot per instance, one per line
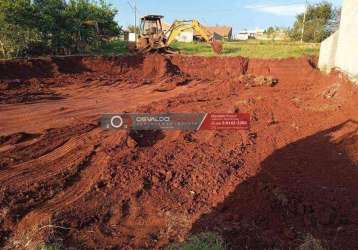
(151, 25)
(151, 35)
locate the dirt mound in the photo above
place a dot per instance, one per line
(66, 181)
(211, 67)
(158, 66)
(25, 69)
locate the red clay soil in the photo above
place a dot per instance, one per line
(63, 180)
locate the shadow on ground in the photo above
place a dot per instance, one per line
(70, 65)
(309, 187)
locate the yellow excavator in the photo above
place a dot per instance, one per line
(153, 38)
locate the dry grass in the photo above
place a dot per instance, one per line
(310, 243)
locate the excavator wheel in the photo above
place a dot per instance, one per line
(217, 46)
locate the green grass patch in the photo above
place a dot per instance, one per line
(113, 48)
(252, 49)
(205, 241)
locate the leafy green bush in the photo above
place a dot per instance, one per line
(205, 241)
(65, 27)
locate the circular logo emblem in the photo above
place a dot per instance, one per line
(116, 121)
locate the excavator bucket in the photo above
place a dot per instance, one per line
(217, 46)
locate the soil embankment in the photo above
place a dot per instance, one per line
(64, 180)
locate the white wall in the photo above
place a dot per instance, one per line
(241, 36)
(185, 36)
(327, 57)
(341, 49)
(347, 48)
(132, 37)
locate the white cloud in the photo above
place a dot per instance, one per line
(278, 9)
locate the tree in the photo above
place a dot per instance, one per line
(133, 29)
(90, 24)
(59, 25)
(16, 29)
(333, 25)
(317, 26)
(271, 32)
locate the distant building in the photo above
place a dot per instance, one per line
(221, 32)
(260, 34)
(127, 36)
(242, 36)
(132, 37)
(186, 36)
(256, 33)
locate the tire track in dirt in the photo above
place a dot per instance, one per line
(88, 172)
(28, 185)
(57, 137)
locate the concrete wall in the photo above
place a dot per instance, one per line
(347, 48)
(327, 57)
(343, 53)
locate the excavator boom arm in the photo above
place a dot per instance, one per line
(181, 26)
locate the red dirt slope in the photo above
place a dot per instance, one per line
(64, 180)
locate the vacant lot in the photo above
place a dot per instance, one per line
(65, 181)
(253, 49)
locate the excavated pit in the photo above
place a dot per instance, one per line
(65, 181)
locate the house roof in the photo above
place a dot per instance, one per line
(223, 31)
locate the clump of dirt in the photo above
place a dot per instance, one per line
(211, 68)
(258, 81)
(145, 138)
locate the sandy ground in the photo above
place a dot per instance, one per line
(64, 180)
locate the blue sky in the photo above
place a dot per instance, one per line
(239, 14)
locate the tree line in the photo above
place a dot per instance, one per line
(37, 27)
(318, 23)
